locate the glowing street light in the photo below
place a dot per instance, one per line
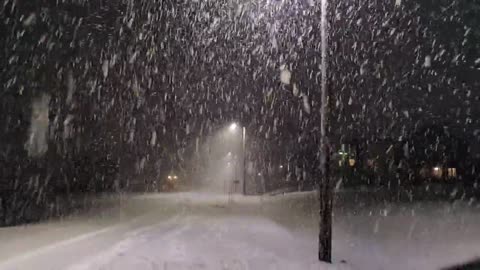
(233, 127)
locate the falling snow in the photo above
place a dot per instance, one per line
(285, 76)
(107, 103)
(428, 61)
(37, 143)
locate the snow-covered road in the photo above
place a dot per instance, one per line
(187, 231)
(197, 242)
(200, 231)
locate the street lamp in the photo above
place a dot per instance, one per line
(232, 128)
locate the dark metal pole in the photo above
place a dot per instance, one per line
(244, 158)
(325, 195)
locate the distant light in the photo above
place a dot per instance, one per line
(452, 172)
(259, 174)
(351, 162)
(229, 153)
(437, 172)
(233, 127)
(175, 177)
(170, 177)
(281, 166)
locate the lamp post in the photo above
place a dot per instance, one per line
(244, 138)
(232, 128)
(325, 191)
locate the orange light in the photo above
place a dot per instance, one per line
(351, 162)
(437, 172)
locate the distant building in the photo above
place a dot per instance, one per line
(428, 154)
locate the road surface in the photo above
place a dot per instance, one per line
(200, 231)
(184, 232)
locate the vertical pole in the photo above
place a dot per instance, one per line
(325, 195)
(235, 176)
(244, 159)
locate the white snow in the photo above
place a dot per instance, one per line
(37, 144)
(67, 127)
(30, 19)
(70, 87)
(428, 61)
(205, 231)
(306, 104)
(295, 90)
(153, 140)
(133, 57)
(105, 68)
(285, 75)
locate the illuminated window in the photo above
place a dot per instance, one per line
(452, 172)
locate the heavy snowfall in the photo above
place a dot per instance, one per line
(239, 134)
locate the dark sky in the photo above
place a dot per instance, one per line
(163, 66)
(401, 67)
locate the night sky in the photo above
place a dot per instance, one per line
(115, 72)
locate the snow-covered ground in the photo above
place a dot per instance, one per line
(204, 231)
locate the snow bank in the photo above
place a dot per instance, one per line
(372, 234)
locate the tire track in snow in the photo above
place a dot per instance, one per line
(169, 229)
(14, 262)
